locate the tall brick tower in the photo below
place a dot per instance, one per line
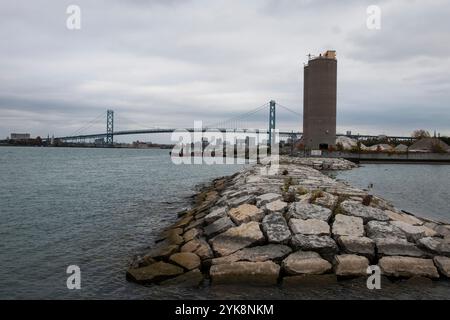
(319, 101)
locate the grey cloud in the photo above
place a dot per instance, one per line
(169, 63)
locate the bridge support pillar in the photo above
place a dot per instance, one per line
(271, 122)
(109, 127)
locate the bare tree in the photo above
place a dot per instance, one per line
(420, 133)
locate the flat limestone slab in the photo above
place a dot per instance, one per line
(383, 229)
(358, 245)
(344, 225)
(309, 226)
(218, 226)
(397, 247)
(275, 228)
(186, 260)
(443, 264)
(276, 206)
(305, 262)
(198, 246)
(191, 234)
(235, 202)
(256, 254)
(216, 214)
(413, 233)
(255, 273)
(237, 238)
(357, 209)
(264, 199)
(300, 210)
(326, 200)
(397, 266)
(324, 245)
(191, 278)
(155, 272)
(245, 213)
(403, 217)
(351, 265)
(436, 245)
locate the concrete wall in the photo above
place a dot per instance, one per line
(387, 157)
(319, 102)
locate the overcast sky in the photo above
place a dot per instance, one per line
(168, 63)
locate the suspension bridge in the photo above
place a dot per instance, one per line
(238, 124)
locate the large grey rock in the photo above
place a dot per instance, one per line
(413, 233)
(348, 226)
(436, 245)
(275, 228)
(204, 250)
(324, 245)
(191, 234)
(155, 272)
(264, 199)
(301, 210)
(397, 266)
(442, 230)
(191, 278)
(346, 191)
(216, 214)
(218, 226)
(162, 250)
(397, 247)
(235, 202)
(237, 238)
(353, 208)
(256, 254)
(191, 245)
(245, 213)
(382, 229)
(187, 260)
(305, 262)
(198, 246)
(309, 226)
(183, 222)
(276, 206)
(198, 223)
(403, 217)
(167, 234)
(326, 200)
(351, 265)
(443, 264)
(243, 272)
(359, 245)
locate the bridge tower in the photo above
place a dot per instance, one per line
(109, 127)
(271, 122)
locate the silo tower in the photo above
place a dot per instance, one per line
(319, 101)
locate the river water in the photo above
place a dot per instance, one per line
(95, 208)
(422, 189)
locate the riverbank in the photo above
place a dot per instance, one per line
(297, 226)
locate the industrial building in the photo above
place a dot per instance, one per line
(319, 101)
(20, 136)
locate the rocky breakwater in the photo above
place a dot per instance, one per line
(295, 226)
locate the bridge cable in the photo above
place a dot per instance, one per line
(87, 126)
(290, 110)
(235, 119)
